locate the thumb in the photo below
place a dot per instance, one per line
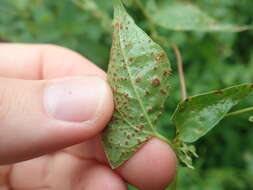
(38, 117)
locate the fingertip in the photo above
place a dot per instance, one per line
(152, 167)
(101, 177)
(69, 120)
(77, 132)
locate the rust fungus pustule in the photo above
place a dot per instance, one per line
(163, 91)
(149, 109)
(138, 79)
(155, 82)
(218, 92)
(160, 57)
(130, 59)
(167, 72)
(146, 92)
(141, 126)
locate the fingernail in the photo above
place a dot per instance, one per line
(74, 99)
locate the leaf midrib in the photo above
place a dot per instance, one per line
(135, 91)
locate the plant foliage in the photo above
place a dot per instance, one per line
(211, 61)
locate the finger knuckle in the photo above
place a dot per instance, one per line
(5, 105)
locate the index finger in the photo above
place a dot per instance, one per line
(36, 62)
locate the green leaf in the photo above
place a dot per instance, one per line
(138, 74)
(187, 17)
(197, 115)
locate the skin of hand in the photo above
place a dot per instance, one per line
(54, 104)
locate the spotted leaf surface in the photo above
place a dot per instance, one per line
(138, 74)
(183, 16)
(197, 115)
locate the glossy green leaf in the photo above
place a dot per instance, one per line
(138, 74)
(187, 17)
(197, 115)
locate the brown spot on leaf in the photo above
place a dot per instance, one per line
(130, 59)
(146, 92)
(155, 82)
(141, 126)
(126, 95)
(149, 109)
(167, 72)
(163, 91)
(188, 99)
(136, 130)
(117, 24)
(160, 57)
(218, 92)
(138, 79)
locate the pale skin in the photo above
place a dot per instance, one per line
(39, 152)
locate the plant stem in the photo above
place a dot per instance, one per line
(179, 62)
(180, 71)
(239, 111)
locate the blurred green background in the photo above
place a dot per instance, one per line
(211, 61)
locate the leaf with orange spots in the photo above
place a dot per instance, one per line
(138, 74)
(197, 115)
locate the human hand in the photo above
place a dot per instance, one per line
(51, 98)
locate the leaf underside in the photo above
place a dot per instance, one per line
(197, 115)
(183, 16)
(138, 74)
